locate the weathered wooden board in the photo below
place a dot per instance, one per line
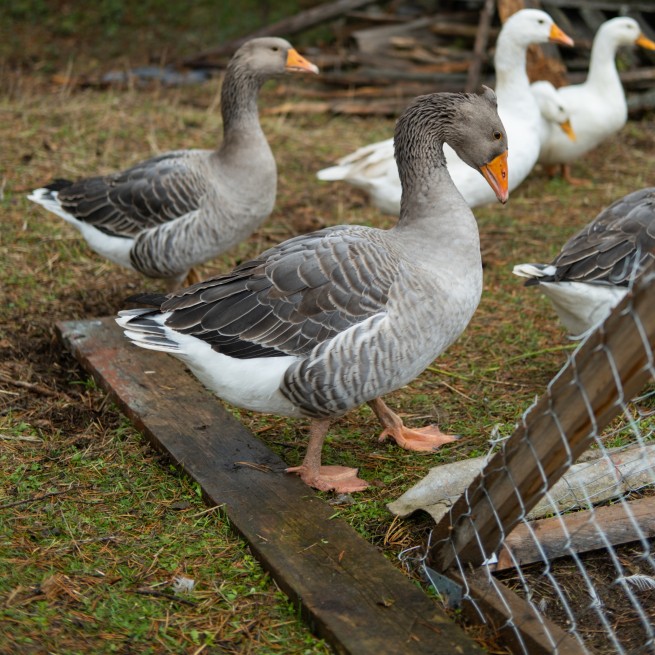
(580, 532)
(349, 593)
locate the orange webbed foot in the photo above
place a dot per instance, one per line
(341, 479)
(425, 439)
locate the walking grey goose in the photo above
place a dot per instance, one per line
(329, 320)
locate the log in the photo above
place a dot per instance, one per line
(284, 27)
(348, 592)
(579, 532)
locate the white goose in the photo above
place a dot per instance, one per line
(554, 112)
(180, 209)
(597, 107)
(329, 320)
(373, 168)
(594, 268)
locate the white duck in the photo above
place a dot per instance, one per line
(329, 320)
(553, 110)
(595, 267)
(597, 107)
(373, 168)
(180, 209)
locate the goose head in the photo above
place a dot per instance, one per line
(552, 106)
(532, 26)
(270, 56)
(624, 31)
(467, 122)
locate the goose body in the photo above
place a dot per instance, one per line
(597, 107)
(182, 208)
(329, 320)
(595, 267)
(373, 168)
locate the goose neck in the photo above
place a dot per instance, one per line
(239, 95)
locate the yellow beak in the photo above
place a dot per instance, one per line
(645, 42)
(495, 172)
(558, 36)
(568, 130)
(298, 64)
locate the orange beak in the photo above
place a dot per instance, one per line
(296, 63)
(645, 42)
(558, 36)
(568, 130)
(495, 172)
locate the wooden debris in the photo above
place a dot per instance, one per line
(577, 405)
(579, 532)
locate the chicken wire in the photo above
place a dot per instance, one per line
(598, 600)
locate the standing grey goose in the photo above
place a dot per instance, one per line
(329, 320)
(595, 267)
(182, 208)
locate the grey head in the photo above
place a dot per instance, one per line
(467, 122)
(269, 56)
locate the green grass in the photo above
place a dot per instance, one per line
(96, 563)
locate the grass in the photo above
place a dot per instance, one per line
(95, 526)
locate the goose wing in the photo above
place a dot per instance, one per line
(614, 246)
(291, 298)
(149, 194)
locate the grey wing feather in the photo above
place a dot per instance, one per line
(149, 194)
(614, 246)
(292, 298)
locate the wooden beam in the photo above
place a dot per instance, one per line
(522, 629)
(578, 532)
(348, 592)
(581, 400)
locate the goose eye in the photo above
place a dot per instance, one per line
(497, 135)
(541, 21)
(275, 48)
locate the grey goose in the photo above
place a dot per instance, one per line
(179, 209)
(332, 319)
(595, 267)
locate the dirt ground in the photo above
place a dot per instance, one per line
(511, 350)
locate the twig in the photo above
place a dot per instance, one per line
(529, 355)
(163, 594)
(30, 385)
(36, 499)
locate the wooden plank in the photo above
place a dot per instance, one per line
(578, 404)
(522, 629)
(349, 593)
(579, 532)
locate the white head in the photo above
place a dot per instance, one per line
(552, 106)
(532, 26)
(624, 31)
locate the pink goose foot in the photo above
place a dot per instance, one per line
(341, 479)
(421, 439)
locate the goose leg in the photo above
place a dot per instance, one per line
(566, 175)
(325, 478)
(426, 439)
(192, 277)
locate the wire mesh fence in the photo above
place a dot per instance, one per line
(550, 544)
